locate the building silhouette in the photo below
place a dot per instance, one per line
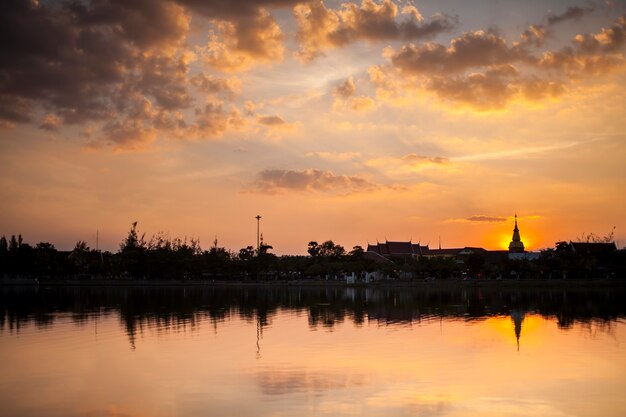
(516, 245)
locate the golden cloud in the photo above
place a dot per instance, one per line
(321, 28)
(241, 44)
(344, 97)
(221, 87)
(345, 89)
(278, 180)
(480, 71)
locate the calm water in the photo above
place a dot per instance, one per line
(270, 351)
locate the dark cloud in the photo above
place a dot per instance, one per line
(215, 86)
(271, 120)
(321, 28)
(14, 108)
(85, 61)
(241, 43)
(345, 90)
(233, 10)
(486, 219)
(470, 50)
(591, 53)
(533, 36)
(481, 70)
(415, 159)
(278, 180)
(245, 34)
(213, 120)
(483, 91)
(572, 13)
(121, 66)
(607, 41)
(50, 123)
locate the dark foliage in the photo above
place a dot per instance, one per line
(164, 258)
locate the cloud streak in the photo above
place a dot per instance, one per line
(272, 181)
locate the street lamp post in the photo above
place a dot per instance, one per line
(258, 249)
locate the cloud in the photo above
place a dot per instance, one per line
(361, 103)
(482, 72)
(121, 67)
(271, 120)
(88, 61)
(534, 35)
(607, 41)
(276, 125)
(344, 97)
(278, 180)
(482, 91)
(129, 134)
(414, 159)
(486, 219)
(221, 87)
(335, 156)
(572, 13)
(233, 10)
(321, 28)
(470, 50)
(244, 34)
(411, 166)
(80, 52)
(50, 123)
(591, 54)
(345, 89)
(480, 218)
(237, 45)
(213, 120)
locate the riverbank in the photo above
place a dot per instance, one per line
(442, 283)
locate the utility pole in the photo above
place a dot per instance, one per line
(258, 248)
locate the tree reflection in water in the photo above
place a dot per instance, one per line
(173, 308)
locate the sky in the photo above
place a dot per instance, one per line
(355, 121)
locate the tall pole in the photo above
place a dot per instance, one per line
(258, 220)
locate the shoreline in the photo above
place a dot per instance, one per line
(443, 283)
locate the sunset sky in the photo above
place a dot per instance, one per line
(354, 121)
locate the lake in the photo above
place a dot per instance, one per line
(311, 351)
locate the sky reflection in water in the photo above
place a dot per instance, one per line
(255, 351)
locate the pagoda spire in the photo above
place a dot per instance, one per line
(516, 245)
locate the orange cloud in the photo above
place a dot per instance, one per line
(344, 97)
(470, 50)
(50, 123)
(482, 72)
(345, 89)
(224, 87)
(213, 120)
(321, 28)
(414, 159)
(240, 44)
(278, 180)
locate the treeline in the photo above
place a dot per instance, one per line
(164, 258)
